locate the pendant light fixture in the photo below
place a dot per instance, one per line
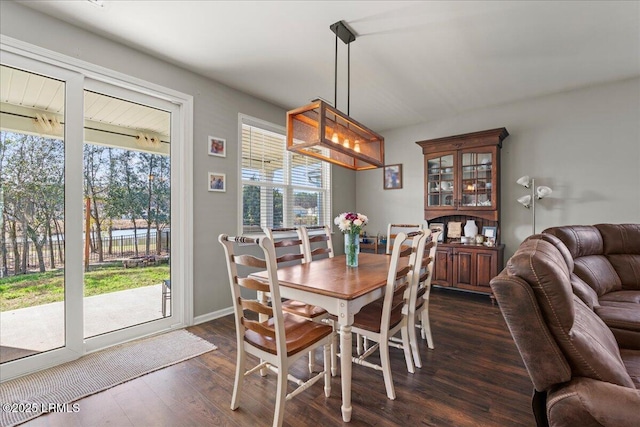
(322, 131)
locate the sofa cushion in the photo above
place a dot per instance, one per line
(584, 291)
(620, 317)
(597, 272)
(627, 297)
(631, 359)
(621, 245)
(585, 402)
(620, 238)
(627, 267)
(581, 240)
(564, 251)
(587, 343)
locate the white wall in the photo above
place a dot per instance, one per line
(584, 144)
(216, 109)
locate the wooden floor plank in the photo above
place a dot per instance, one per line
(474, 377)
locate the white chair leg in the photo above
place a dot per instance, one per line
(413, 341)
(327, 366)
(386, 369)
(359, 344)
(426, 328)
(237, 384)
(406, 346)
(311, 360)
(281, 397)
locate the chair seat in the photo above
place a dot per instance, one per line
(302, 309)
(300, 334)
(369, 317)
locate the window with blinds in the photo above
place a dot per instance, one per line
(280, 188)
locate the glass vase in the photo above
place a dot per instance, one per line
(352, 248)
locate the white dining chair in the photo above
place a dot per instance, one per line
(384, 318)
(424, 290)
(293, 244)
(279, 340)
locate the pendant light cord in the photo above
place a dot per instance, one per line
(335, 76)
(348, 76)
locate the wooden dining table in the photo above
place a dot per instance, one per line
(342, 291)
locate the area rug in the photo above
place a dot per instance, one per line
(27, 397)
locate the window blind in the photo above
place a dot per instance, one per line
(280, 188)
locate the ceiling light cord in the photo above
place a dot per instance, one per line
(348, 76)
(335, 75)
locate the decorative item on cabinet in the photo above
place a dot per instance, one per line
(470, 229)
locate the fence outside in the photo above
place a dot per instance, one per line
(114, 249)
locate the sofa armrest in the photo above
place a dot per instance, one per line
(587, 402)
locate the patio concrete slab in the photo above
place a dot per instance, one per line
(41, 328)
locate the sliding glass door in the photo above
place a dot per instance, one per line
(86, 190)
(127, 209)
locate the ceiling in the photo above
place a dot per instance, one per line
(412, 61)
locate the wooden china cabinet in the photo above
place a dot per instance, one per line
(461, 183)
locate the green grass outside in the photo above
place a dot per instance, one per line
(28, 290)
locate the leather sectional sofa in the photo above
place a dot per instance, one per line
(606, 260)
(572, 310)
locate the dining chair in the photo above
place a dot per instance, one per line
(416, 259)
(394, 229)
(281, 339)
(317, 241)
(294, 245)
(384, 318)
(424, 290)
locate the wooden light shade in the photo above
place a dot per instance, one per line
(321, 131)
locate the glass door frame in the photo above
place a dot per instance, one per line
(77, 75)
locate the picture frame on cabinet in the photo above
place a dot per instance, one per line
(454, 230)
(217, 182)
(438, 226)
(490, 232)
(392, 177)
(217, 147)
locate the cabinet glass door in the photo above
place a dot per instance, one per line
(477, 180)
(440, 181)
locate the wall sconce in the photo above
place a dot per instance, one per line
(529, 201)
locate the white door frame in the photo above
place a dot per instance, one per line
(77, 76)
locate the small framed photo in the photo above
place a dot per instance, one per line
(392, 177)
(217, 147)
(435, 227)
(217, 182)
(489, 232)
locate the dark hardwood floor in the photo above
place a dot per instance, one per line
(474, 377)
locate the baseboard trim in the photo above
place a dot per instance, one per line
(212, 316)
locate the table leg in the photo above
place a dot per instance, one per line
(345, 367)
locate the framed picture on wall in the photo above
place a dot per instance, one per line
(217, 147)
(217, 182)
(392, 177)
